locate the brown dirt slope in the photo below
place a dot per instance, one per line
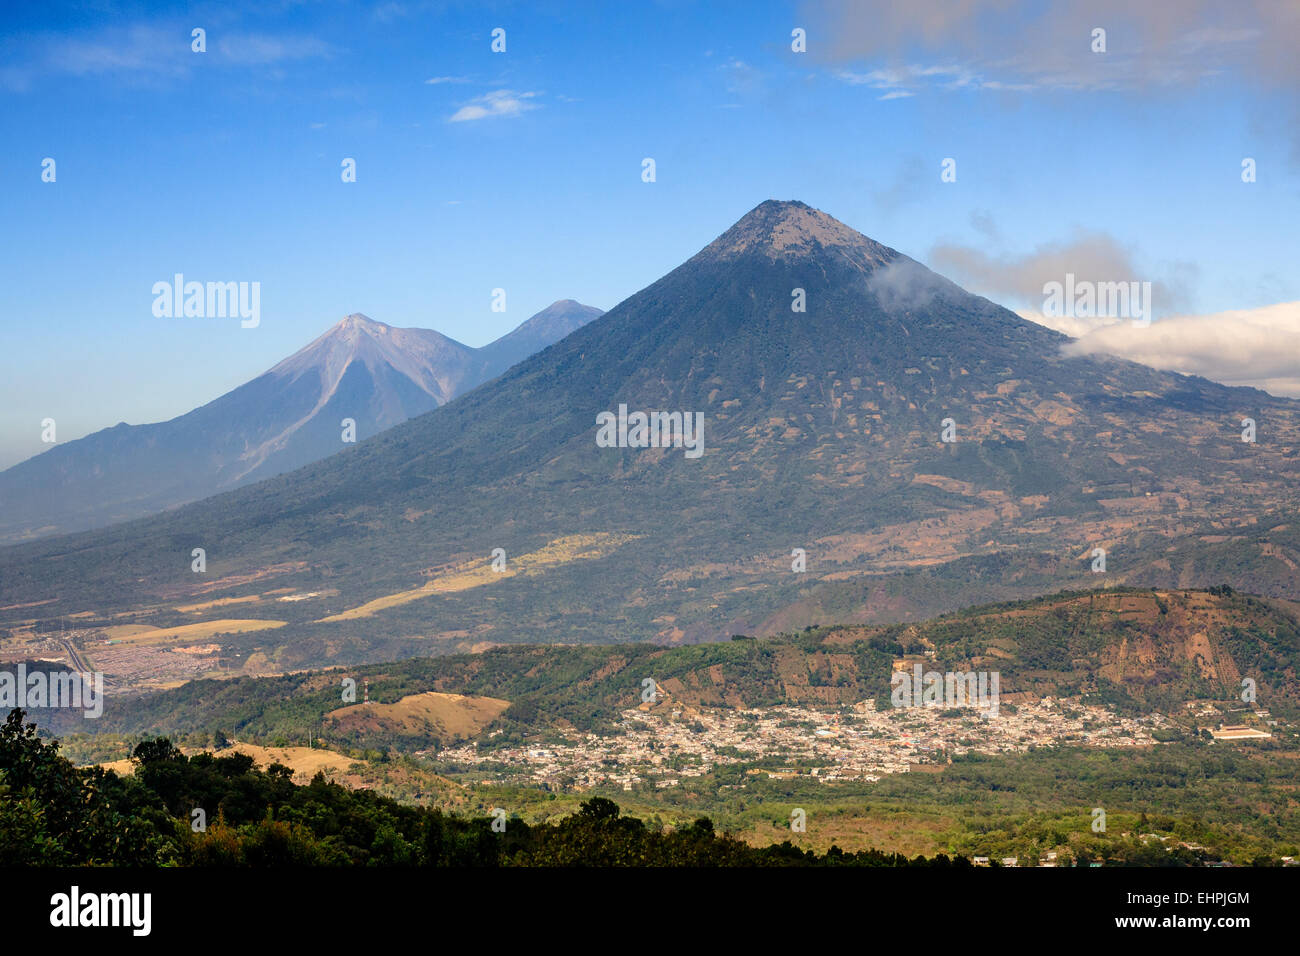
(445, 716)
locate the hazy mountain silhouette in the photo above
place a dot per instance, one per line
(362, 370)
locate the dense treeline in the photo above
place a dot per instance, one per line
(52, 813)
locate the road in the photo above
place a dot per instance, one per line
(77, 663)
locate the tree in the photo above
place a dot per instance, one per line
(598, 808)
(157, 750)
(23, 840)
(75, 817)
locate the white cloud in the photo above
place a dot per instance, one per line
(494, 104)
(894, 79)
(878, 79)
(1259, 347)
(438, 80)
(1073, 326)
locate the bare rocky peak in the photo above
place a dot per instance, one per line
(428, 358)
(356, 322)
(779, 230)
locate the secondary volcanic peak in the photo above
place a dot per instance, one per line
(780, 230)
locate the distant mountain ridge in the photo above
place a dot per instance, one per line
(374, 374)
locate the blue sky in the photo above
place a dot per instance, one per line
(522, 169)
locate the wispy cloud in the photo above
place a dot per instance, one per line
(741, 78)
(905, 187)
(1025, 42)
(1027, 45)
(898, 79)
(141, 49)
(982, 221)
(499, 103)
(439, 80)
(389, 12)
(255, 49)
(147, 52)
(879, 79)
(1093, 256)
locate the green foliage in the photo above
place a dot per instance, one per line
(53, 813)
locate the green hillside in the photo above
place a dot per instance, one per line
(1132, 649)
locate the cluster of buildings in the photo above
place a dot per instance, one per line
(660, 744)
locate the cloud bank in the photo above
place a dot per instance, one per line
(1259, 347)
